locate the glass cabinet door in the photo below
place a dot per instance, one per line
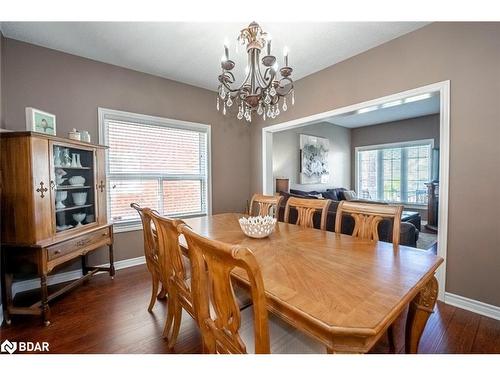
(75, 201)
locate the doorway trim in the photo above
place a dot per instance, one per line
(443, 88)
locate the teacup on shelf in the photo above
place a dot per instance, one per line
(60, 173)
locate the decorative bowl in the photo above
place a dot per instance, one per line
(60, 197)
(79, 217)
(77, 181)
(79, 199)
(257, 226)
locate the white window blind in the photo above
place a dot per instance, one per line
(395, 173)
(155, 163)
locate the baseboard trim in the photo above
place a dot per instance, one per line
(22, 286)
(491, 311)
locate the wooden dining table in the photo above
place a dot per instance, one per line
(344, 291)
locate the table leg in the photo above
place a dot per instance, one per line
(45, 299)
(111, 262)
(391, 336)
(418, 313)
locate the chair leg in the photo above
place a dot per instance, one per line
(163, 292)
(154, 292)
(392, 339)
(175, 323)
(170, 316)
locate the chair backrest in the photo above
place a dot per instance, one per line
(267, 204)
(150, 239)
(216, 307)
(306, 208)
(367, 217)
(170, 255)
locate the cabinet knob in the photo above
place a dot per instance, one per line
(101, 186)
(42, 190)
(57, 252)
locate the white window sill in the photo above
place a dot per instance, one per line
(135, 226)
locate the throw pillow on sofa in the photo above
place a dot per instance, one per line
(330, 195)
(350, 195)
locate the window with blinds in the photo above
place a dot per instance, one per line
(155, 162)
(394, 173)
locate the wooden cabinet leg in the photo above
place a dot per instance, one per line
(418, 313)
(3, 282)
(84, 265)
(7, 297)
(45, 300)
(111, 262)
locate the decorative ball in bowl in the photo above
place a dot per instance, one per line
(257, 226)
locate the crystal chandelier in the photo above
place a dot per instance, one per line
(260, 93)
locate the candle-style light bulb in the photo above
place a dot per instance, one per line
(285, 54)
(269, 47)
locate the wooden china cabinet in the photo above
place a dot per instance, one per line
(53, 209)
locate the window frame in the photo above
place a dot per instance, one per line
(111, 114)
(404, 177)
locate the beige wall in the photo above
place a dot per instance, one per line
(72, 88)
(413, 129)
(1, 79)
(468, 55)
(1, 112)
(286, 159)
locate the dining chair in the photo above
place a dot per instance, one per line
(267, 204)
(151, 255)
(306, 208)
(176, 270)
(367, 217)
(224, 328)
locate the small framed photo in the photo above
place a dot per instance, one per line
(40, 121)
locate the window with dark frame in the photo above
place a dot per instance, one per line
(395, 173)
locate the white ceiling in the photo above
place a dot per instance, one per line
(191, 52)
(382, 115)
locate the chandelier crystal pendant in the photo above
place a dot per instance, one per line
(260, 93)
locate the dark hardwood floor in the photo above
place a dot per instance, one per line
(110, 316)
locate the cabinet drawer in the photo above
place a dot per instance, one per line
(77, 244)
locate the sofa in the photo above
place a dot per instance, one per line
(409, 233)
